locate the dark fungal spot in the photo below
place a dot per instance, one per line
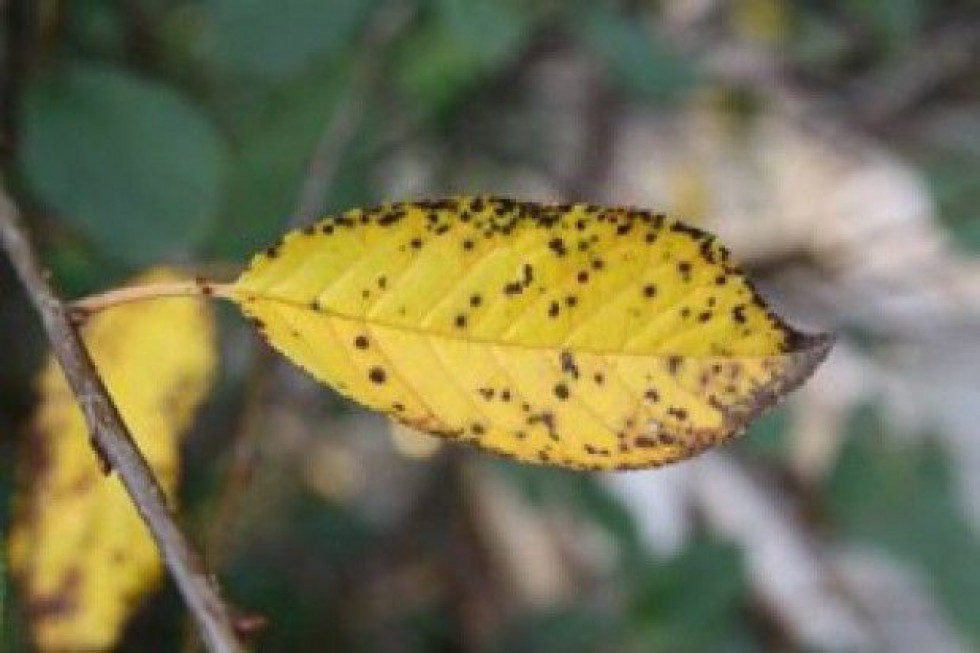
(399, 407)
(327, 229)
(738, 314)
(365, 293)
(272, 252)
(704, 316)
(390, 218)
(649, 290)
(486, 393)
(651, 395)
(377, 375)
(477, 429)
(693, 232)
(528, 274)
(548, 419)
(650, 237)
(571, 301)
(557, 245)
(382, 282)
(645, 442)
(309, 230)
(568, 365)
(416, 243)
(468, 244)
(673, 365)
(505, 395)
(684, 268)
(679, 413)
(475, 300)
(598, 264)
(561, 391)
(361, 342)
(460, 321)
(476, 205)
(599, 378)
(553, 309)
(685, 312)
(582, 276)
(513, 288)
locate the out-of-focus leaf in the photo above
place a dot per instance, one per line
(692, 602)
(466, 41)
(303, 550)
(900, 497)
(893, 23)
(489, 321)
(98, 25)
(82, 555)
(491, 31)
(642, 62)
(128, 161)
(767, 436)
(760, 21)
(279, 37)
(273, 146)
(570, 630)
(956, 187)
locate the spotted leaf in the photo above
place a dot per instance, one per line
(78, 548)
(574, 335)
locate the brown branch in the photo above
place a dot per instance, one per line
(113, 442)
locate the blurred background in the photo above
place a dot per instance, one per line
(834, 146)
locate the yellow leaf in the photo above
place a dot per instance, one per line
(80, 551)
(572, 335)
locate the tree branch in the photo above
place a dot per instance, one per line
(114, 444)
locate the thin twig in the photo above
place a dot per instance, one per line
(114, 444)
(339, 129)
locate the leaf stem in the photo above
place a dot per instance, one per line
(81, 309)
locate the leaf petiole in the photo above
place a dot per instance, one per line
(81, 309)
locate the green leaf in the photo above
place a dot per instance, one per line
(893, 23)
(573, 629)
(279, 37)
(125, 160)
(466, 41)
(692, 602)
(641, 62)
(954, 183)
(273, 144)
(899, 497)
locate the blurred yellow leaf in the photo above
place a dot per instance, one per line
(762, 21)
(78, 547)
(572, 335)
